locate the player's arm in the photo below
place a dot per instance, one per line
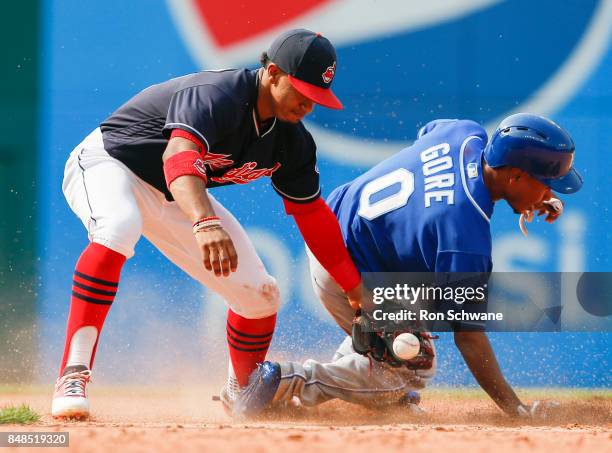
(470, 339)
(480, 359)
(322, 234)
(186, 180)
(298, 185)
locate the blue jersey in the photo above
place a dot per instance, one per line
(424, 209)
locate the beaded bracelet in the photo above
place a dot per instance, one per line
(206, 219)
(206, 223)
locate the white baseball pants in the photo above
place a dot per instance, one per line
(117, 207)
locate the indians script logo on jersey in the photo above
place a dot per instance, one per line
(403, 63)
(216, 161)
(328, 75)
(245, 174)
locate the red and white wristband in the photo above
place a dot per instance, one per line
(206, 223)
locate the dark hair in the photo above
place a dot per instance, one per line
(264, 59)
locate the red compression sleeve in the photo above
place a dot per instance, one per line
(322, 234)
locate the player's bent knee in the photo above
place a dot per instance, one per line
(120, 233)
(260, 301)
(267, 299)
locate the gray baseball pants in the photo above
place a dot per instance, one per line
(348, 376)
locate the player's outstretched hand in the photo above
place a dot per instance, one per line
(218, 252)
(539, 410)
(553, 209)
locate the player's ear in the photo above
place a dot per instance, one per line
(514, 175)
(273, 72)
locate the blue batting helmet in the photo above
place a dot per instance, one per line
(537, 146)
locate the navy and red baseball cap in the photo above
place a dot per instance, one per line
(310, 61)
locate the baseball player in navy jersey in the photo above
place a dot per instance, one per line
(147, 171)
(427, 209)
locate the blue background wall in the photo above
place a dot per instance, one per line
(549, 57)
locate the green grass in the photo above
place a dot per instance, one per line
(21, 415)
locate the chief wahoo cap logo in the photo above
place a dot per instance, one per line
(329, 73)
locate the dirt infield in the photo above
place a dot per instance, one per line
(177, 420)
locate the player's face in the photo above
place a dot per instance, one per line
(525, 193)
(288, 103)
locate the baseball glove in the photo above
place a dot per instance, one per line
(379, 345)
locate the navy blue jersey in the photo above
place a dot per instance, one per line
(218, 107)
(424, 209)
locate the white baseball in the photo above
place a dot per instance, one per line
(406, 346)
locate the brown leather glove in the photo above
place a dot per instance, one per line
(379, 345)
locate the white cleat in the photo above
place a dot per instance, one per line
(70, 397)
